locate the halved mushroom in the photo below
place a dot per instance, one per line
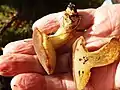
(45, 44)
(45, 51)
(83, 60)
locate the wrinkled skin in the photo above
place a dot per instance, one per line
(99, 23)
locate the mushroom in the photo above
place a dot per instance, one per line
(45, 45)
(83, 60)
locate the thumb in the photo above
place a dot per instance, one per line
(87, 17)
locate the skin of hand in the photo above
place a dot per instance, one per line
(99, 23)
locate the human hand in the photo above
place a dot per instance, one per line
(29, 75)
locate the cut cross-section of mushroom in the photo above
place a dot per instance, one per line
(45, 51)
(83, 60)
(45, 44)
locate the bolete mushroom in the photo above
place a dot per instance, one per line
(83, 60)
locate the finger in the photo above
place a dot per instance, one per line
(106, 22)
(13, 64)
(50, 23)
(102, 78)
(117, 77)
(28, 81)
(22, 47)
(63, 63)
(87, 18)
(34, 81)
(96, 43)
